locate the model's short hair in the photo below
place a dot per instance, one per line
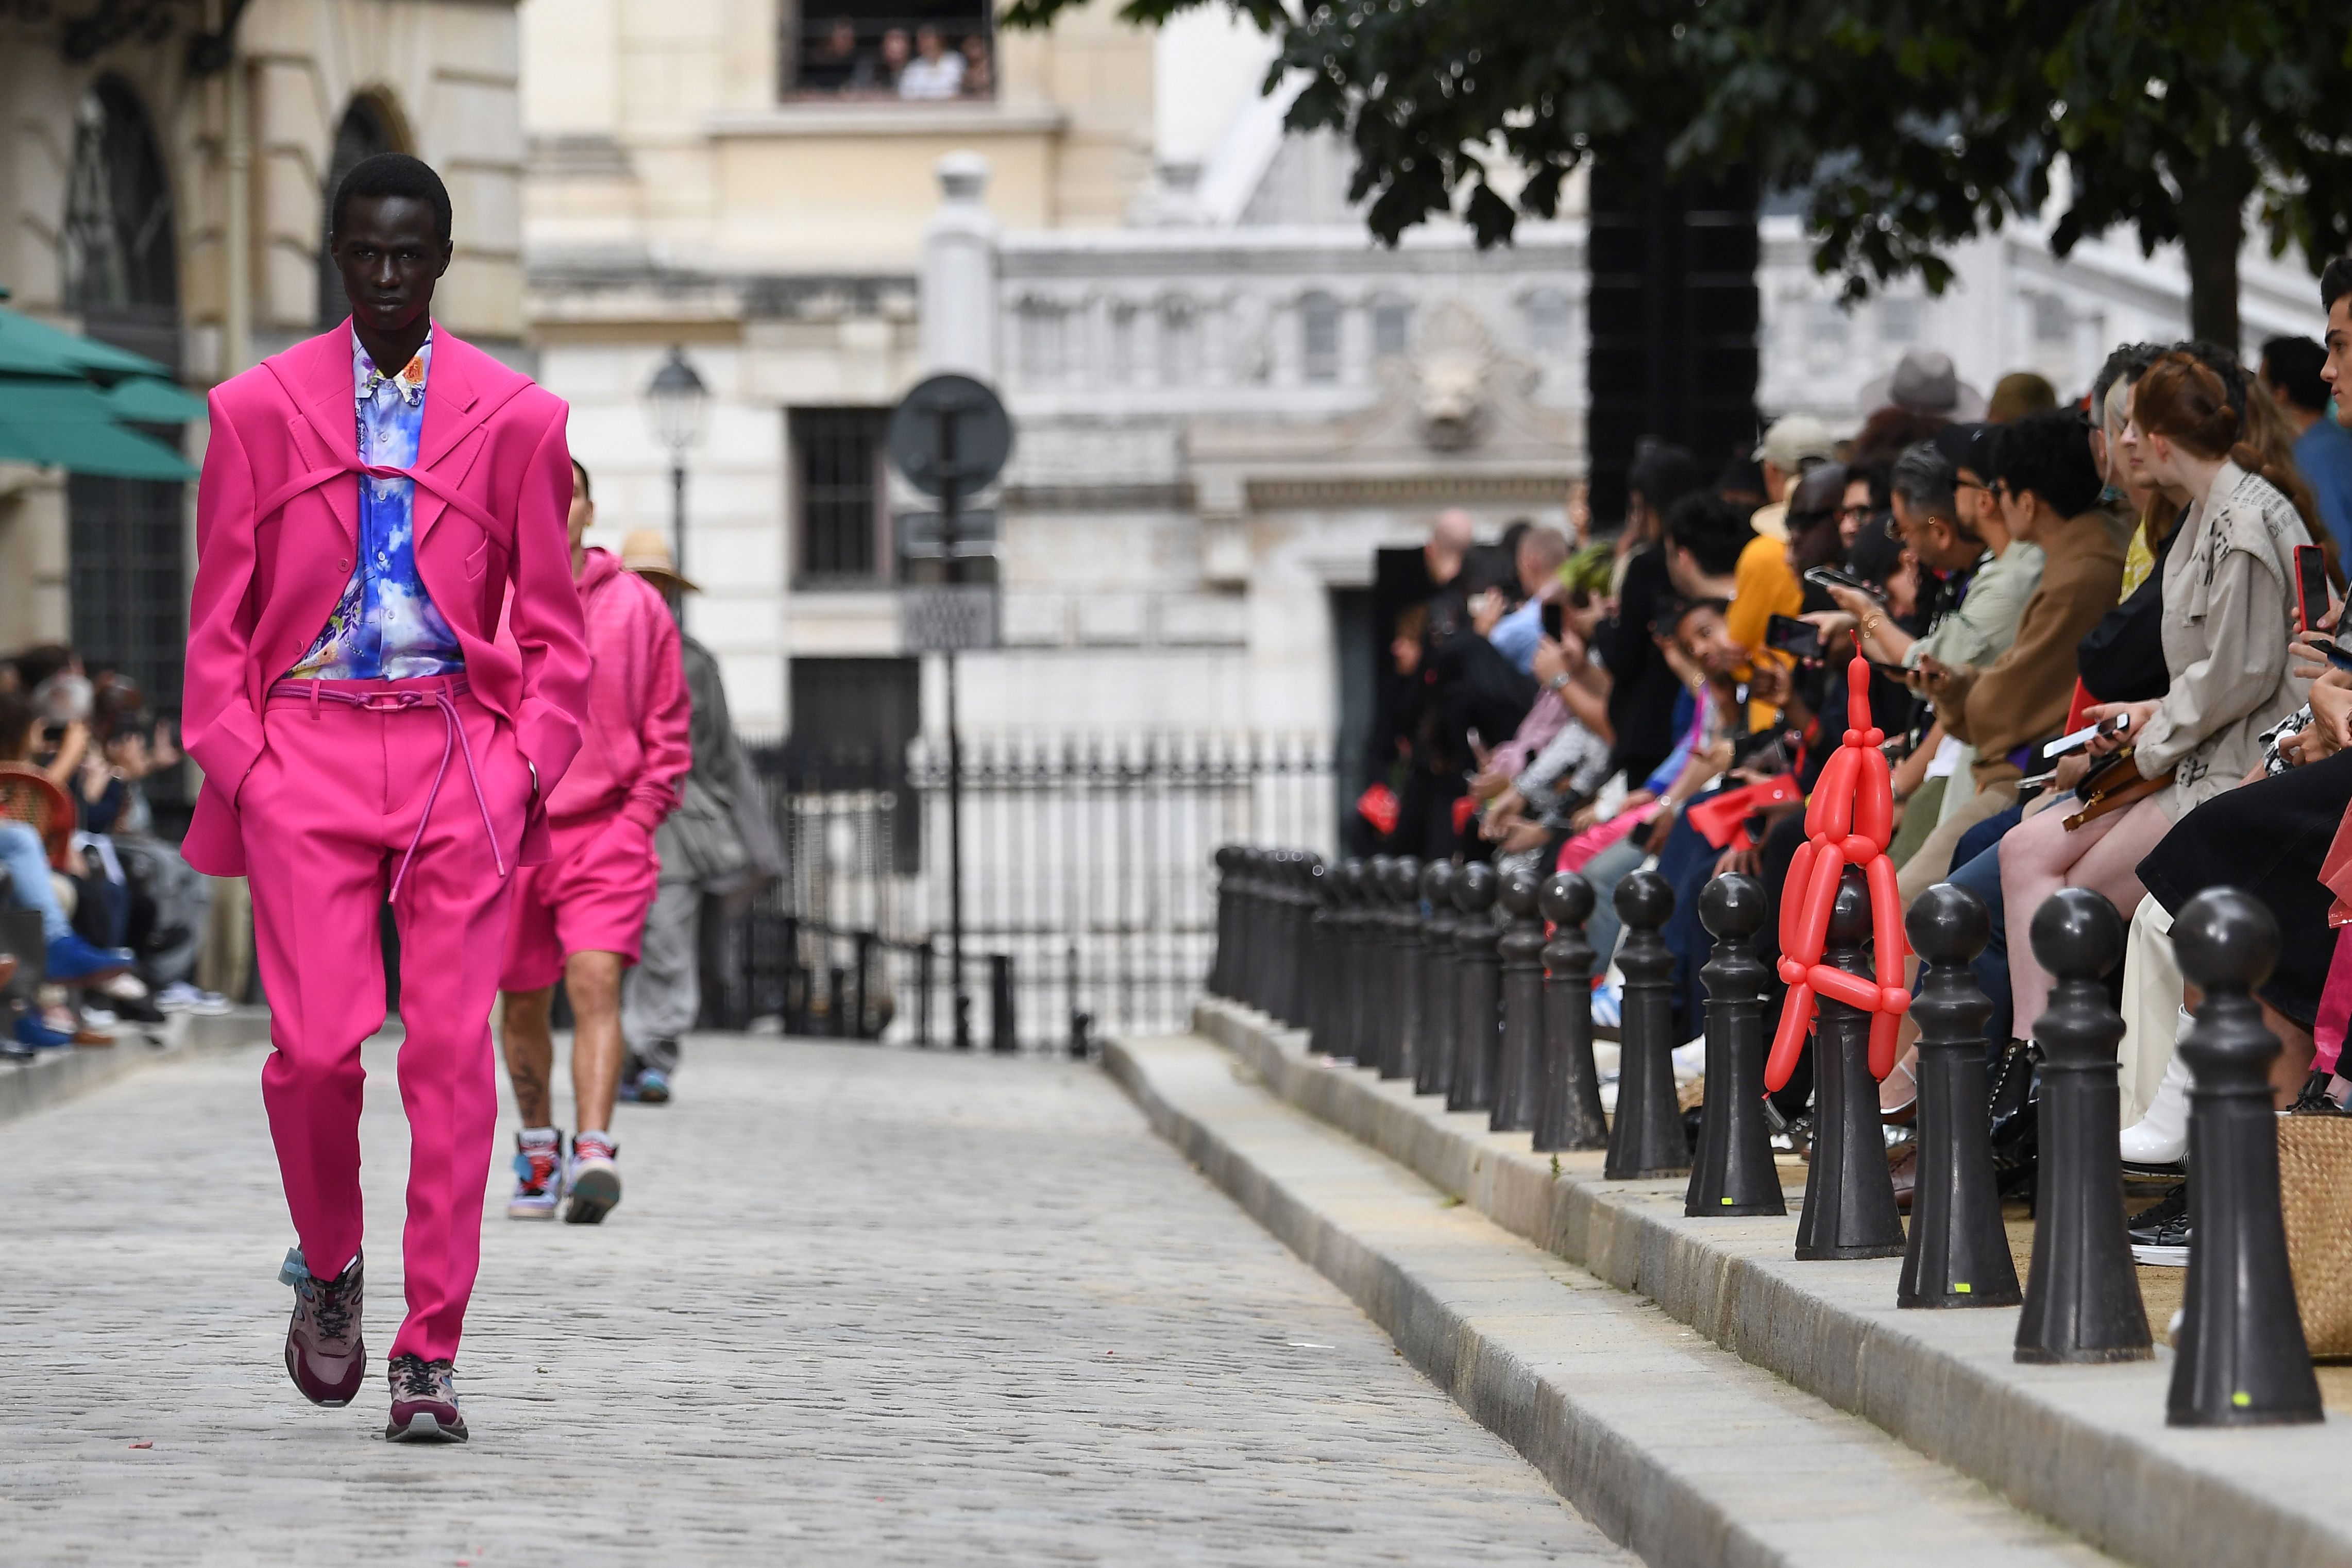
(1712, 529)
(580, 472)
(394, 174)
(1926, 480)
(2293, 365)
(2335, 282)
(2050, 454)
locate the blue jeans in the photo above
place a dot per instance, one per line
(27, 865)
(1605, 871)
(1981, 875)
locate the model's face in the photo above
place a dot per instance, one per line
(390, 254)
(2338, 368)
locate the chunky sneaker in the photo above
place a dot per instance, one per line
(323, 1353)
(424, 1402)
(2159, 1235)
(539, 1175)
(595, 1180)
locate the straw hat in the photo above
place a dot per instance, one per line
(646, 551)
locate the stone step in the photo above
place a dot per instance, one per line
(2085, 1446)
(50, 1077)
(1686, 1454)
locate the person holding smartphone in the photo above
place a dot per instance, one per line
(2229, 595)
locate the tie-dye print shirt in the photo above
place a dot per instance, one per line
(384, 627)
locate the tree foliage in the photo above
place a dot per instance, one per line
(1907, 125)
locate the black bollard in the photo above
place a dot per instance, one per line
(1567, 1113)
(1322, 955)
(1433, 1053)
(2081, 1289)
(1849, 1191)
(1958, 1253)
(1305, 897)
(1733, 1173)
(1347, 1015)
(1478, 991)
(1379, 963)
(1229, 945)
(1519, 1084)
(1404, 936)
(2242, 1360)
(1249, 965)
(1645, 1139)
(1280, 871)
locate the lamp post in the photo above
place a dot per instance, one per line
(677, 406)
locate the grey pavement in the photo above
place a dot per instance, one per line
(858, 1305)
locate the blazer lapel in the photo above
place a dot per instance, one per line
(323, 369)
(454, 409)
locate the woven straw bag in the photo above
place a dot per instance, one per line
(2314, 1145)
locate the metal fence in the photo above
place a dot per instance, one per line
(1089, 890)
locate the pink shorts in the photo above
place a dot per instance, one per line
(591, 896)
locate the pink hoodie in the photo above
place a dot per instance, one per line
(634, 752)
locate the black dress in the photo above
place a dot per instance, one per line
(2268, 839)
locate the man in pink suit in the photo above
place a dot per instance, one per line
(581, 918)
(376, 502)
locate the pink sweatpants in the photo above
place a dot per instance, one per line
(328, 813)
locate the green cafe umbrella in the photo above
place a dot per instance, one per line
(52, 413)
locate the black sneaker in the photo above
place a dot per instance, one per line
(2159, 1234)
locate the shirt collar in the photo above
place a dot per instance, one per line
(409, 382)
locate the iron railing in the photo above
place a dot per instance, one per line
(1089, 882)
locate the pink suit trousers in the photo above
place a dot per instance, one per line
(332, 813)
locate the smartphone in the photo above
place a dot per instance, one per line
(1831, 577)
(2082, 738)
(1555, 619)
(2311, 586)
(2337, 654)
(2028, 789)
(1791, 635)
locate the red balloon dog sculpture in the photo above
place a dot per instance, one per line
(1848, 823)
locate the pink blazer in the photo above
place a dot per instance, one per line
(277, 524)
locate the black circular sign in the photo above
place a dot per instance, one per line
(950, 428)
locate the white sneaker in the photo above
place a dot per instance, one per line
(594, 1180)
(539, 1175)
(180, 997)
(2161, 1136)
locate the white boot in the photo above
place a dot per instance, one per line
(2161, 1136)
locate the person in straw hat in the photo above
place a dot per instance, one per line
(716, 844)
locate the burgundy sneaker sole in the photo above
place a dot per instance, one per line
(317, 1390)
(425, 1427)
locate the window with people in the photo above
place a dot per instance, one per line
(939, 52)
(2097, 631)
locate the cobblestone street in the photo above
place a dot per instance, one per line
(858, 1306)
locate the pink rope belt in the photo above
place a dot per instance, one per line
(442, 696)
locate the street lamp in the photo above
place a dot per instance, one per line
(677, 406)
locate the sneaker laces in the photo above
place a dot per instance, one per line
(332, 1308)
(418, 1378)
(594, 1146)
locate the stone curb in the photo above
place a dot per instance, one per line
(56, 1076)
(1680, 1451)
(2085, 1446)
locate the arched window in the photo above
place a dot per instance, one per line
(118, 254)
(363, 134)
